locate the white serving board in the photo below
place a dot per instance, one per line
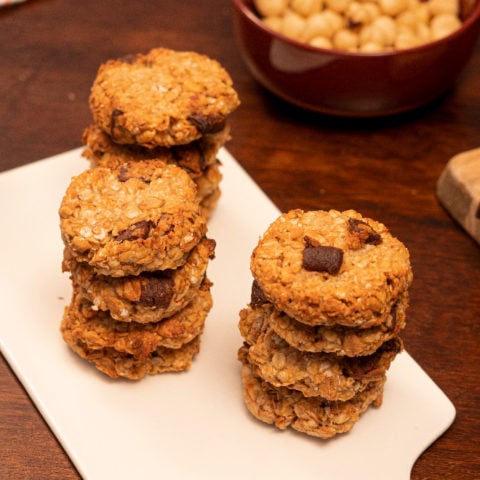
(192, 425)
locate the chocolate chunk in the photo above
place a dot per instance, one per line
(393, 345)
(124, 175)
(136, 231)
(358, 367)
(257, 298)
(156, 291)
(207, 123)
(318, 258)
(113, 123)
(115, 113)
(190, 157)
(364, 231)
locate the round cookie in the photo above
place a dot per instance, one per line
(198, 159)
(337, 339)
(97, 330)
(147, 297)
(314, 416)
(194, 157)
(162, 98)
(330, 267)
(141, 216)
(119, 364)
(319, 374)
(340, 340)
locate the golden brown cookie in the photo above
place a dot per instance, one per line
(319, 374)
(162, 98)
(198, 159)
(141, 216)
(340, 340)
(330, 267)
(97, 330)
(119, 364)
(194, 157)
(314, 416)
(147, 297)
(337, 339)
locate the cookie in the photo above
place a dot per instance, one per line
(283, 408)
(162, 98)
(330, 267)
(319, 374)
(337, 339)
(147, 297)
(97, 330)
(340, 340)
(194, 157)
(141, 216)
(118, 364)
(198, 159)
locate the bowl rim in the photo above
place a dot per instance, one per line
(247, 12)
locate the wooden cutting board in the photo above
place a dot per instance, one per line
(458, 189)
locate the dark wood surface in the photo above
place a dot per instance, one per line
(49, 53)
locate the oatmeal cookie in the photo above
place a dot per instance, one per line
(141, 216)
(198, 159)
(319, 374)
(97, 330)
(194, 157)
(348, 341)
(330, 267)
(337, 339)
(147, 297)
(119, 364)
(162, 98)
(314, 416)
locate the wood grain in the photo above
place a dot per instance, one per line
(458, 190)
(387, 169)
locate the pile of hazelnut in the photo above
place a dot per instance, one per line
(361, 25)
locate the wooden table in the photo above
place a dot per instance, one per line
(49, 53)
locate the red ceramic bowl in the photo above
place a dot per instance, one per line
(352, 84)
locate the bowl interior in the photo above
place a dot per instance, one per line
(469, 14)
(354, 84)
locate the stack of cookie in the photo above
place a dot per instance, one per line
(136, 248)
(166, 105)
(134, 225)
(329, 300)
